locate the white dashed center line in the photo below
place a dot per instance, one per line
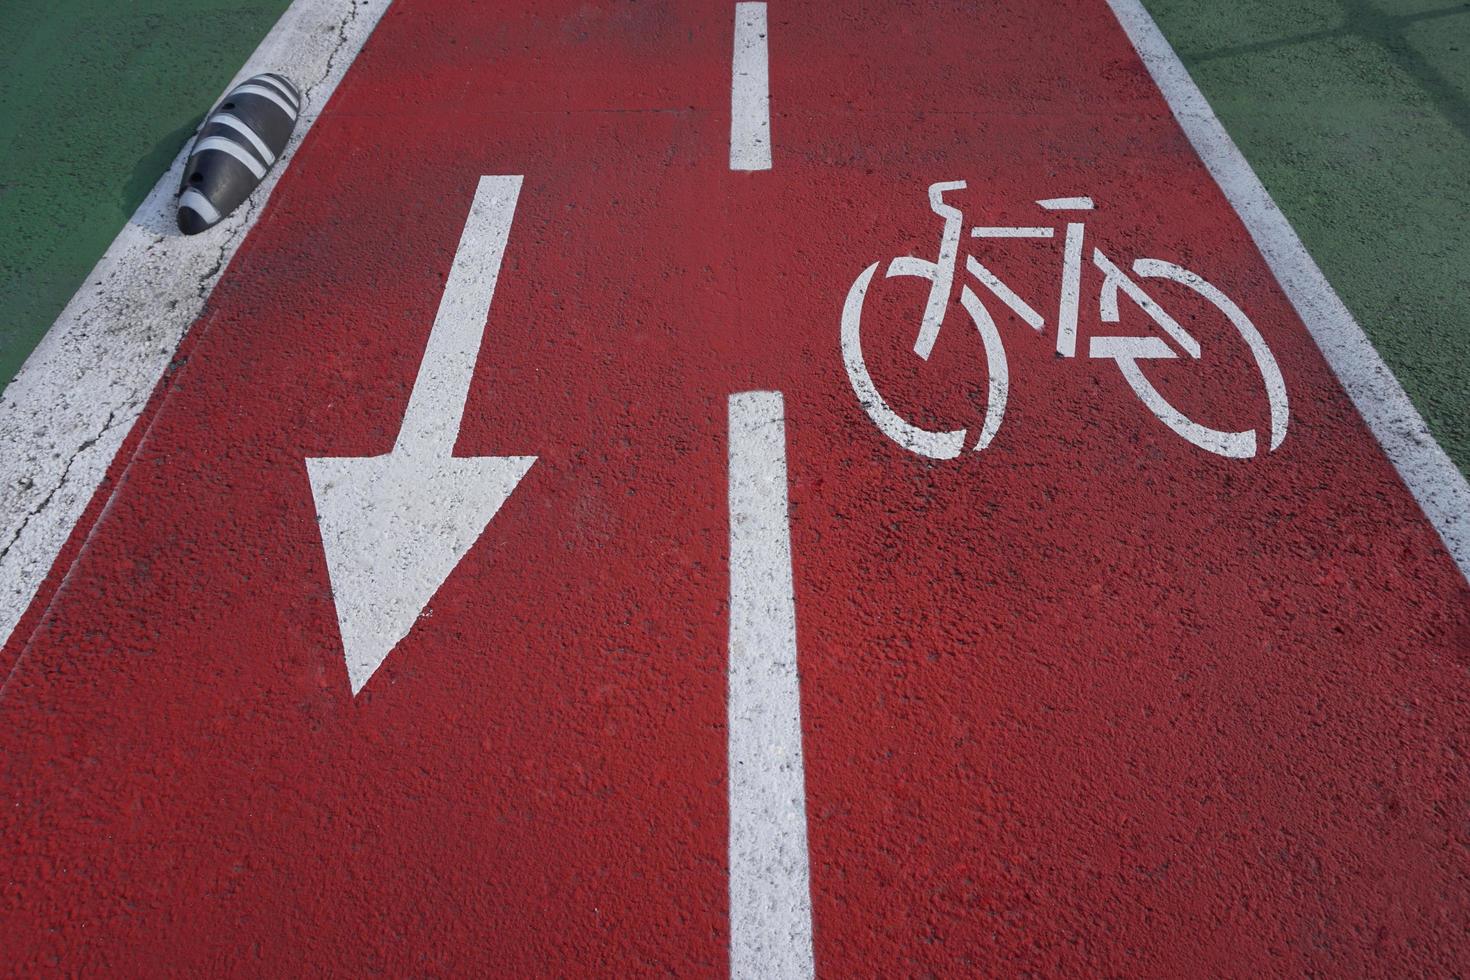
(750, 91)
(770, 886)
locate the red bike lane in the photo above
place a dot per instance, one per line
(1094, 700)
(1090, 700)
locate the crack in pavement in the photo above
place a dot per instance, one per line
(61, 482)
(104, 358)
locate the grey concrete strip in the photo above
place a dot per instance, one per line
(64, 417)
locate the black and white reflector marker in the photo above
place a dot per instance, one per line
(237, 144)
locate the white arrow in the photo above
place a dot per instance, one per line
(393, 527)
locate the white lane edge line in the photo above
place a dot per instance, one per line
(69, 409)
(750, 91)
(1431, 476)
(770, 880)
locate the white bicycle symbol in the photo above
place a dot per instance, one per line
(1127, 352)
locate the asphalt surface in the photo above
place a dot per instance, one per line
(730, 676)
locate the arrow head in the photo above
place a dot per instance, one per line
(393, 527)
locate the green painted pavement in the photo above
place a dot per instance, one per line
(98, 96)
(1356, 116)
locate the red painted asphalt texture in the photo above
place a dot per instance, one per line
(1092, 701)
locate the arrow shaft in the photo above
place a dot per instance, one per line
(436, 406)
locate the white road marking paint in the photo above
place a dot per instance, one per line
(1071, 289)
(1005, 293)
(936, 445)
(998, 387)
(770, 886)
(986, 231)
(394, 526)
(940, 272)
(750, 91)
(1125, 351)
(1066, 203)
(1260, 350)
(65, 415)
(1114, 279)
(1433, 479)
